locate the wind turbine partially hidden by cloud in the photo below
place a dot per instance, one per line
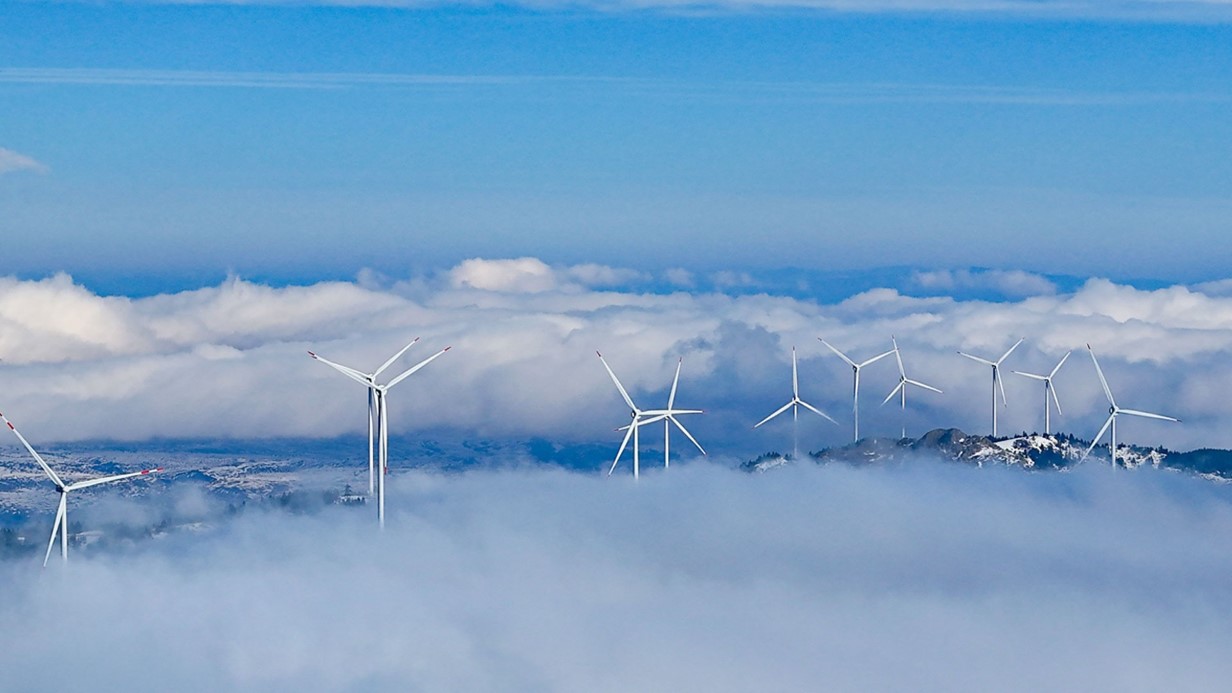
(642, 417)
(901, 388)
(855, 381)
(378, 417)
(1049, 391)
(60, 524)
(996, 379)
(794, 404)
(1113, 412)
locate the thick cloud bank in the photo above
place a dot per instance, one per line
(920, 577)
(229, 361)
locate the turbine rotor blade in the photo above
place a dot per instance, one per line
(795, 375)
(876, 358)
(55, 528)
(1010, 350)
(1053, 389)
(1102, 381)
(818, 412)
(901, 384)
(348, 372)
(621, 451)
(628, 400)
(986, 362)
(688, 435)
(413, 369)
(1031, 375)
(55, 478)
(107, 479)
(1095, 441)
(782, 409)
(393, 358)
(1059, 364)
(671, 399)
(841, 355)
(902, 372)
(996, 374)
(917, 383)
(1147, 415)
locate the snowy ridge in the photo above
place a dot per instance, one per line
(1029, 451)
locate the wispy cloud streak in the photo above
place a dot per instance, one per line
(1157, 10)
(837, 93)
(11, 161)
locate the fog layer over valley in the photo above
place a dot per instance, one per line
(914, 576)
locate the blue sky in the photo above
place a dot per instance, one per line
(172, 144)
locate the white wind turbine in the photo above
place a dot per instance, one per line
(60, 524)
(1050, 391)
(996, 380)
(670, 418)
(794, 404)
(378, 415)
(855, 381)
(1113, 412)
(901, 388)
(642, 417)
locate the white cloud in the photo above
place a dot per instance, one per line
(530, 275)
(11, 161)
(701, 579)
(1220, 287)
(229, 361)
(526, 275)
(731, 279)
(1008, 283)
(679, 276)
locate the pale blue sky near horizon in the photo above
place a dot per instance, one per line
(179, 143)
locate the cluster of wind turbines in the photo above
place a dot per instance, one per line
(378, 444)
(668, 416)
(378, 418)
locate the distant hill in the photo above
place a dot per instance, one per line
(1029, 451)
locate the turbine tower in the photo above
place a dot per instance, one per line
(901, 388)
(378, 416)
(1113, 412)
(996, 380)
(855, 381)
(642, 417)
(1050, 391)
(60, 524)
(794, 404)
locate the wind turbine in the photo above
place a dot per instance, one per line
(996, 380)
(670, 418)
(1050, 391)
(1113, 412)
(642, 417)
(60, 524)
(794, 404)
(901, 388)
(378, 415)
(855, 381)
